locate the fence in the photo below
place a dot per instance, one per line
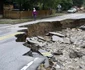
(24, 14)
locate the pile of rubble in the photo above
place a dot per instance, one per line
(62, 50)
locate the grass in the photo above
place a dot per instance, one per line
(13, 21)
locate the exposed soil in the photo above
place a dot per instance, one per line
(43, 28)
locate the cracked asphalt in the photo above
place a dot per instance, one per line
(11, 52)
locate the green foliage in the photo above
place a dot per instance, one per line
(78, 2)
(47, 4)
(66, 4)
(84, 3)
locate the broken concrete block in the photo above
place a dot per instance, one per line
(35, 42)
(46, 62)
(34, 38)
(57, 34)
(42, 44)
(41, 38)
(56, 38)
(31, 41)
(45, 53)
(35, 63)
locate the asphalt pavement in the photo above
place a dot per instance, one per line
(11, 52)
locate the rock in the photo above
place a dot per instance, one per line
(80, 67)
(59, 52)
(57, 66)
(56, 38)
(41, 38)
(35, 47)
(57, 34)
(75, 54)
(73, 29)
(67, 51)
(47, 38)
(78, 42)
(41, 67)
(42, 44)
(67, 40)
(82, 46)
(46, 62)
(79, 30)
(53, 68)
(35, 42)
(45, 53)
(72, 39)
(82, 27)
(31, 40)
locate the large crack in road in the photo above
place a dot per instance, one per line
(60, 43)
(57, 43)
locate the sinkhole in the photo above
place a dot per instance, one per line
(40, 29)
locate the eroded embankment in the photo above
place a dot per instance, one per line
(43, 28)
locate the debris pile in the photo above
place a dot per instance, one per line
(62, 50)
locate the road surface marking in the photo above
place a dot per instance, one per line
(29, 64)
(10, 35)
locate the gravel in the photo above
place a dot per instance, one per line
(67, 55)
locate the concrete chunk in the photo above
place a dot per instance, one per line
(45, 53)
(57, 34)
(56, 38)
(41, 38)
(35, 42)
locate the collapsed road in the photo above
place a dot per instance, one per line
(13, 54)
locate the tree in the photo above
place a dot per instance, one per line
(53, 3)
(84, 3)
(66, 4)
(46, 4)
(78, 3)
